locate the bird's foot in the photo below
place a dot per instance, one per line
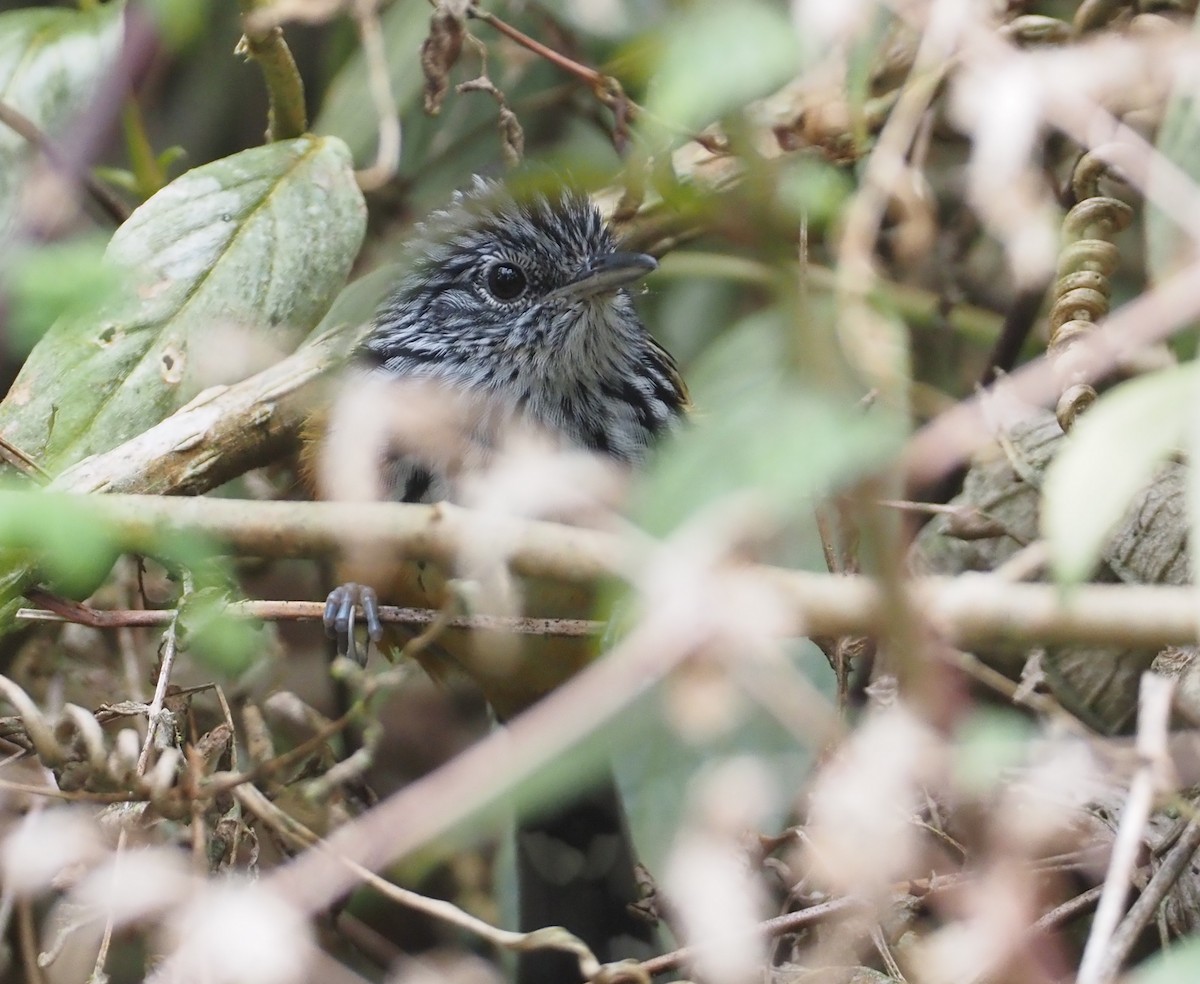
(339, 618)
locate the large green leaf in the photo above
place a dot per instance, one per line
(720, 56)
(1177, 964)
(255, 245)
(1110, 455)
(758, 426)
(51, 63)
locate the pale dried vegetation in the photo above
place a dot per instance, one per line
(987, 778)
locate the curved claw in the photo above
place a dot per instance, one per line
(339, 613)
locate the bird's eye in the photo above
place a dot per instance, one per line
(505, 281)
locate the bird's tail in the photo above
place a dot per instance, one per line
(576, 869)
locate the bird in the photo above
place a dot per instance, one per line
(517, 308)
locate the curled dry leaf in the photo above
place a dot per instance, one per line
(512, 137)
(440, 51)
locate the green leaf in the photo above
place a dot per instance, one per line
(64, 539)
(1107, 459)
(51, 64)
(758, 426)
(988, 746)
(360, 300)
(247, 249)
(52, 279)
(814, 189)
(718, 57)
(180, 22)
(225, 644)
(1178, 964)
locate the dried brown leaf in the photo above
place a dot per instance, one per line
(440, 52)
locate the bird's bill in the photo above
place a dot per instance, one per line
(608, 273)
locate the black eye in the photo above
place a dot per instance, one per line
(505, 281)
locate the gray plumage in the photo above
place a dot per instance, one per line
(523, 304)
(568, 351)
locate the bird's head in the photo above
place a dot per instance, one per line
(492, 276)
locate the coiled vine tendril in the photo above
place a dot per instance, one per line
(1082, 290)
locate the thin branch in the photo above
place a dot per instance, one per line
(811, 915)
(222, 433)
(379, 84)
(301, 836)
(1071, 909)
(154, 713)
(968, 610)
(98, 976)
(22, 462)
(74, 796)
(286, 117)
(1154, 712)
(787, 923)
(223, 782)
(64, 610)
(596, 80)
(1143, 909)
(27, 932)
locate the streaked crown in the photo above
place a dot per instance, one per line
(525, 301)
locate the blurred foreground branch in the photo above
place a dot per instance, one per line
(224, 432)
(967, 610)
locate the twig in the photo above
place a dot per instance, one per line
(884, 170)
(78, 796)
(37, 728)
(154, 713)
(64, 610)
(98, 976)
(379, 83)
(22, 462)
(1069, 910)
(27, 931)
(301, 836)
(286, 115)
(879, 941)
(1154, 713)
(770, 928)
(969, 610)
(1142, 911)
(845, 905)
(594, 79)
(222, 433)
(223, 782)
